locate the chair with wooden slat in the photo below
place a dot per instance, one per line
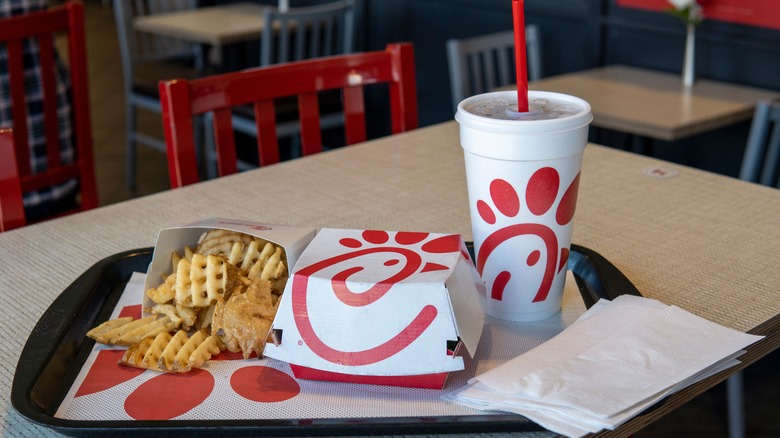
(482, 63)
(11, 205)
(42, 27)
(259, 87)
(147, 58)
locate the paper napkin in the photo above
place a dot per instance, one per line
(616, 360)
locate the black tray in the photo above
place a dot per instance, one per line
(58, 346)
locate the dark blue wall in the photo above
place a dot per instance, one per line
(576, 35)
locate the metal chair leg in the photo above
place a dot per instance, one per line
(735, 406)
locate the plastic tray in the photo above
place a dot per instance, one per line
(57, 348)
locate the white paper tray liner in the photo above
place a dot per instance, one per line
(500, 342)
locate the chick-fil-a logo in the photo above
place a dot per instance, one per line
(405, 261)
(541, 192)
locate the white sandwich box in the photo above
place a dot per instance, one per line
(380, 307)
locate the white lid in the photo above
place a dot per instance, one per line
(466, 116)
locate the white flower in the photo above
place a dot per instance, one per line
(688, 10)
(682, 4)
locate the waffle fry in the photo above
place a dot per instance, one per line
(196, 351)
(172, 354)
(147, 330)
(204, 280)
(254, 258)
(108, 326)
(274, 268)
(165, 292)
(134, 356)
(153, 353)
(127, 331)
(166, 360)
(221, 242)
(170, 311)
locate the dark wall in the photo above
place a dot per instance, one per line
(576, 35)
(580, 34)
(430, 23)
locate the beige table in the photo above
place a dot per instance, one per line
(214, 25)
(654, 104)
(701, 241)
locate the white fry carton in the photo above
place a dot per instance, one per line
(293, 239)
(380, 307)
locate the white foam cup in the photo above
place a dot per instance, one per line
(522, 171)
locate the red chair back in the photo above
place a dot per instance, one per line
(182, 99)
(42, 27)
(11, 206)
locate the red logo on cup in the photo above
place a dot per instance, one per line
(540, 195)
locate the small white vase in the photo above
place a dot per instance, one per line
(690, 56)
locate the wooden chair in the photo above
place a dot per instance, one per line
(147, 58)
(11, 205)
(294, 35)
(350, 73)
(482, 63)
(42, 26)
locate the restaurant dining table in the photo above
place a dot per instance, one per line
(216, 26)
(652, 104)
(701, 241)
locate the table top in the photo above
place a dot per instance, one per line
(698, 240)
(655, 104)
(215, 25)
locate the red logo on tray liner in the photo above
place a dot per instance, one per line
(541, 192)
(264, 384)
(134, 311)
(106, 373)
(166, 396)
(413, 262)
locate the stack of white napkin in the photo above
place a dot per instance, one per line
(619, 358)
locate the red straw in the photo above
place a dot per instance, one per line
(518, 15)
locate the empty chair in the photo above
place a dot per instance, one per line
(307, 32)
(761, 161)
(146, 59)
(259, 87)
(482, 63)
(293, 35)
(55, 168)
(760, 164)
(11, 205)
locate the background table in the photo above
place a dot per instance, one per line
(216, 26)
(704, 242)
(654, 104)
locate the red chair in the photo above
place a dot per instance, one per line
(183, 99)
(11, 206)
(42, 26)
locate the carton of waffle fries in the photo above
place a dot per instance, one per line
(223, 277)
(380, 307)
